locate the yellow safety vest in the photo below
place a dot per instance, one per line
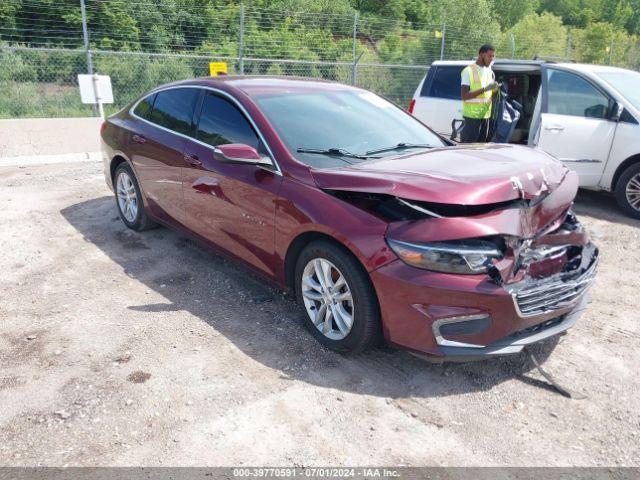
(480, 106)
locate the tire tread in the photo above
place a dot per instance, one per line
(142, 221)
(620, 192)
(366, 327)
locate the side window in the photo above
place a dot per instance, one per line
(221, 123)
(570, 94)
(173, 109)
(143, 109)
(445, 83)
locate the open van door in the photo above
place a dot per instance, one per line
(576, 123)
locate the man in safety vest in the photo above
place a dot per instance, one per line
(478, 85)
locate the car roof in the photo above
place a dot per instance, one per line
(262, 84)
(502, 62)
(591, 68)
(497, 61)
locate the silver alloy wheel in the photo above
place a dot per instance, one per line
(633, 192)
(327, 298)
(127, 198)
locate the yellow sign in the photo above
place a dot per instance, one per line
(438, 34)
(216, 68)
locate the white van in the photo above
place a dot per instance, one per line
(585, 115)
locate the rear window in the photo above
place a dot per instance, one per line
(143, 109)
(444, 83)
(173, 109)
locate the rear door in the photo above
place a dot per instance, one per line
(231, 205)
(575, 123)
(156, 147)
(438, 103)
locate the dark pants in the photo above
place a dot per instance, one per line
(475, 130)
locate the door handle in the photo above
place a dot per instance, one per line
(557, 128)
(138, 138)
(193, 160)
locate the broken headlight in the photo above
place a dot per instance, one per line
(470, 257)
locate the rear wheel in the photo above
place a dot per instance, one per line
(129, 200)
(628, 191)
(337, 297)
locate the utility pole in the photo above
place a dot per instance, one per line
(611, 53)
(513, 46)
(444, 29)
(354, 67)
(85, 33)
(241, 50)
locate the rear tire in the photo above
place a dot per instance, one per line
(628, 191)
(129, 199)
(342, 291)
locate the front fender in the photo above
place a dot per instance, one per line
(303, 208)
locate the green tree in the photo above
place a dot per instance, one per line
(617, 12)
(602, 43)
(469, 24)
(8, 10)
(510, 12)
(536, 35)
(578, 13)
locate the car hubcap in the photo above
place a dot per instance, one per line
(633, 192)
(127, 199)
(327, 298)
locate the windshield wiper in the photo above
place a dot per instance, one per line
(338, 152)
(399, 146)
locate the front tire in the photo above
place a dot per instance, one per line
(129, 199)
(628, 191)
(339, 303)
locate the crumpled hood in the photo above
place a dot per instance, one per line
(464, 175)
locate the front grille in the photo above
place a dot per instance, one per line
(554, 295)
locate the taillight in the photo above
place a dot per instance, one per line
(102, 127)
(412, 104)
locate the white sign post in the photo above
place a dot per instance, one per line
(95, 89)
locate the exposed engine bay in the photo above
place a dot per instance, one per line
(546, 272)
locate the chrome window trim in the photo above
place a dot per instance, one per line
(277, 170)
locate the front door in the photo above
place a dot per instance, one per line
(231, 205)
(575, 125)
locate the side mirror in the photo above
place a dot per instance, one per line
(616, 112)
(240, 153)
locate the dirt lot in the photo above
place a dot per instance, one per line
(118, 348)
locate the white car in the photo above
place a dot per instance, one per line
(585, 115)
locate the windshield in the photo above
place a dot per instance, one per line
(626, 83)
(350, 121)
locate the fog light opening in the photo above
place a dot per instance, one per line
(454, 326)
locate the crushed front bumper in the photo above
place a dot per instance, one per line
(467, 317)
(515, 342)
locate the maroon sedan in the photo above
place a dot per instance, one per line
(381, 228)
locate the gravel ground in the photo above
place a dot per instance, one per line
(119, 348)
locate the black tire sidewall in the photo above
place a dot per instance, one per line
(621, 190)
(365, 329)
(137, 223)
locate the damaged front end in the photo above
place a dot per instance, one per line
(490, 278)
(549, 274)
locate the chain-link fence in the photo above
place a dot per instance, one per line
(43, 49)
(39, 82)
